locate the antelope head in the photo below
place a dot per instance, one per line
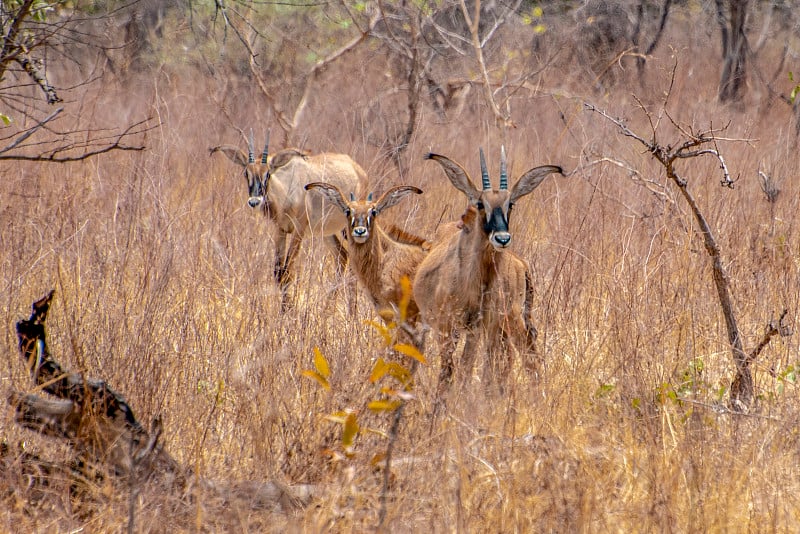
(361, 214)
(257, 174)
(494, 205)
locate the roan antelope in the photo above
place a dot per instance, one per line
(471, 282)
(276, 185)
(380, 257)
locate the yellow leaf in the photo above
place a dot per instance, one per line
(399, 373)
(405, 299)
(377, 432)
(537, 12)
(382, 330)
(384, 405)
(349, 432)
(410, 351)
(321, 363)
(539, 28)
(402, 395)
(317, 377)
(338, 417)
(379, 370)
(387, 314)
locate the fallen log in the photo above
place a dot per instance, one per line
(102, 429)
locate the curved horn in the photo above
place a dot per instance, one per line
(503, 170)
(265, 153)
(487, 185)
(251, 158)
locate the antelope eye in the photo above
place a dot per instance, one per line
(347, 212)
(373, 212)
(479, 205)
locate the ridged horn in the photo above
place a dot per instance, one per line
(503, 170)
(251, 157)
(487, 185)
(265, 153)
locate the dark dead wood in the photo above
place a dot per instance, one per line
(107, 437)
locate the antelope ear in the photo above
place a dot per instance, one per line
(232, 153)
(457, 175)
(395, 195)
(531, 180)
(330, 192)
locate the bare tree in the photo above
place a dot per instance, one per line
(425, 43)
(33, 33)
(693, 145)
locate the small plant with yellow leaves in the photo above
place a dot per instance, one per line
(393, 382)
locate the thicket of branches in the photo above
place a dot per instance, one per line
(41, 117)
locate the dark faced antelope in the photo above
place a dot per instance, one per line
(276, 186)
(470, 282)
(380, 258)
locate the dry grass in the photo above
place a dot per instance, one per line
(164, 289)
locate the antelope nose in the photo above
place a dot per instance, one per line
(502, 239)
(254, 202)
(360, 231)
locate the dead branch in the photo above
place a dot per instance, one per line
(287, 124)
(65, 150)
(773, 329)
(742, 388)
(101, 427)
(473, 23)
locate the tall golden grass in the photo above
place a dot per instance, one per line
(165, 290)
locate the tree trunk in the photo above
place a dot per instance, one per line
(733, 80)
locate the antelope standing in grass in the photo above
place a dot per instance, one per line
(380, 257)
(470, 282)
(276, 186)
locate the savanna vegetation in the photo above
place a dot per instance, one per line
(665, 262)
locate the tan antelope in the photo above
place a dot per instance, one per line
(470, 282)
(276, 186)
(380, 257)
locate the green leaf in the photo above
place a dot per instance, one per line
(604, 390)
(6, 119)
